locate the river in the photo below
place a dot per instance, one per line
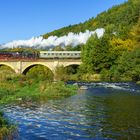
(104, 111)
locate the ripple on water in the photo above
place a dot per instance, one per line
(95, 114)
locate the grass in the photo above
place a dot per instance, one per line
(37, 91)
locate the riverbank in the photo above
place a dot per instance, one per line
(7, 130)
(97, 78)
(35, 92)
(19, 89)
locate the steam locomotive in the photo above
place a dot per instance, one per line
(17, 55)
(39, 55)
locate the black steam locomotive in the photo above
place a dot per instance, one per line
(18, 55)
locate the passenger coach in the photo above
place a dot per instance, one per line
(60, 54)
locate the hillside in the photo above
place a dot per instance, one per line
(119, 19)
(116, 55)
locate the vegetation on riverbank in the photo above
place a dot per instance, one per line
(21, 89)
(6, 130)
(114, 59)
(25, 92)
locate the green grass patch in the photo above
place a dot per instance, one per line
(36, 92)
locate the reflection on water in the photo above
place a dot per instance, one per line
(104, 111)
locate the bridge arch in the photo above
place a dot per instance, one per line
(28, 67)
(72, 64)
(8, 65)
(72, 68)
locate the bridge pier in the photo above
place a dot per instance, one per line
(18, 67)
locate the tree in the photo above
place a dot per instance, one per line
(96, 55)
(129, 65)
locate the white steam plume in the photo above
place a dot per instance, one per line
(70, 39)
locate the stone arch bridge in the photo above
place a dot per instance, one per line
(22, 66)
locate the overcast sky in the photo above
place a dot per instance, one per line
(23, 19)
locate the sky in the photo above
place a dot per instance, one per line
(23, 19)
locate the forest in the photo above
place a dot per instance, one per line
(116, 55)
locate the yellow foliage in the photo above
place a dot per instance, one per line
(94, 23)
(121, 45)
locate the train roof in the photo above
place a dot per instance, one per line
(60, 51)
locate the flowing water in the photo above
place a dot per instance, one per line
(104, 111)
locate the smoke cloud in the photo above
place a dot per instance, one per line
(52, 41)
